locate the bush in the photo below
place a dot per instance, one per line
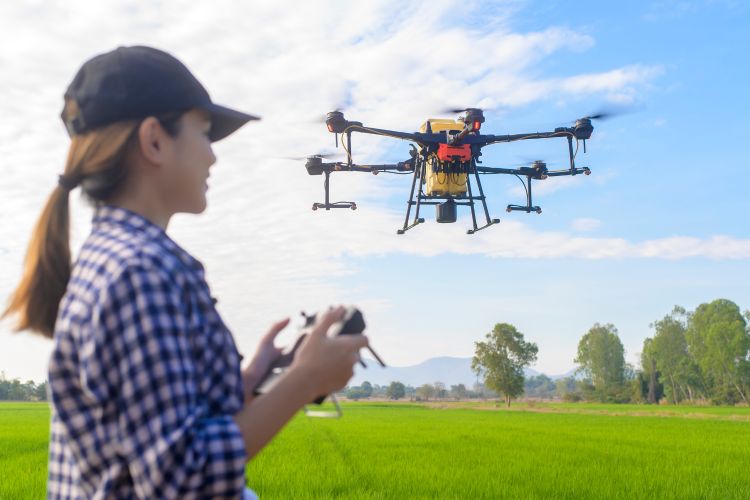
(572, 397)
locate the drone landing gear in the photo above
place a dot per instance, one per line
(484, 204)
(338, 204)
(519, 208)
(416, 222)
(472, 231)
(328, 205)
(446, 207)
(418, 171)
(528, 208)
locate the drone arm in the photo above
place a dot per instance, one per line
(355, 127)
(568, 171)
(343, 167)
(402, 166)
(495, 170)
(533, 175)
(486, 140)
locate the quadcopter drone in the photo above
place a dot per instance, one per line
(445, 162)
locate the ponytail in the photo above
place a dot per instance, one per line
(46, 269)
(96, 161)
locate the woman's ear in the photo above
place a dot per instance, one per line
(151, 138)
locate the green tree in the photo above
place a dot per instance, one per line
(425, 391)
(669, 349)
(601, 358)
(650, 374)
(652, 389)
(41, 392)
(440, 391)
(539, 386)
(502, 358)
(719, 341)
(564, 386)
(458, 391)
(355, 393)
(396, 390)
(410, 392)
(367, 389)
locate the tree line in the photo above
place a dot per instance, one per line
(699, 355)
(693, 356)
(437, 391)
(15, 390)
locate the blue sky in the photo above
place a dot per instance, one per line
(661, 221)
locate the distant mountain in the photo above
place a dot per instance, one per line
(446, 369)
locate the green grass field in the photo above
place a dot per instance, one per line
(24, 434)
(465, 450)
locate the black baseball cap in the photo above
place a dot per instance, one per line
(136, 82)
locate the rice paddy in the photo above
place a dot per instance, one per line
(465, 450)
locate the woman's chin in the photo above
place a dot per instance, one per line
(198, 206)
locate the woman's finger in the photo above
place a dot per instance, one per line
(354, 342)
(328, 319)
(274, 330)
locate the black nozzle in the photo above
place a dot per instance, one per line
(446, 212)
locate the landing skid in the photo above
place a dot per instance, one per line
(465, 200)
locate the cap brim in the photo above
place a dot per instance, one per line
(224, 121)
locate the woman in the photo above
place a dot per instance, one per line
(148, 398)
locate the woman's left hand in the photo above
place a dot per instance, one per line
(264, 356)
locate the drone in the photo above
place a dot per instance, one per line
(445, 164)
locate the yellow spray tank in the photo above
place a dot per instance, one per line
(442, 178)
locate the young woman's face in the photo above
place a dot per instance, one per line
(190, 159)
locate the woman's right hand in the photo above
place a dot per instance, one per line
(328, 362)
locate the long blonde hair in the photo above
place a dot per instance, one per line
(96, 161)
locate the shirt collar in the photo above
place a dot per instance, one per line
(134, 222)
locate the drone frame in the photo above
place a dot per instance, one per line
(429, 143)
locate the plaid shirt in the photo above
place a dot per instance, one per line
(144, 376)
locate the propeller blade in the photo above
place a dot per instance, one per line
(323, 156)
(610, 112)
(322, 118)
(601, 116)
(457, 110)
(529, 162)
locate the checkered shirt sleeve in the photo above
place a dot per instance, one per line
(134, 413)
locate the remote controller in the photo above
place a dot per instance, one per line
(353, 323)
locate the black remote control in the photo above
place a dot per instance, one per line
(353, 323)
